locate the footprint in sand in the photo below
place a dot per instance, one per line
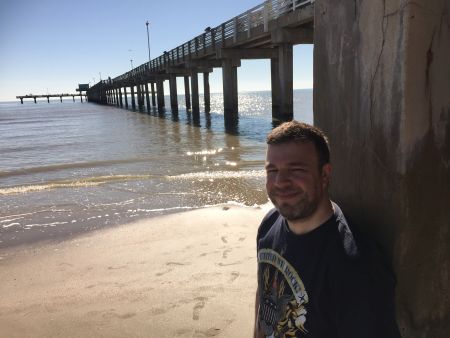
(225, 253)
(212, 332)
(224, 239)
(174, 263)
(228, 264)
(65, 264)
(241, 239)
(234, 275)
(198, 307)
(159, 274)
(113, 314)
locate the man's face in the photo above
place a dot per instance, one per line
(295, 183)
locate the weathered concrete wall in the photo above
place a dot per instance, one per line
(382, 93)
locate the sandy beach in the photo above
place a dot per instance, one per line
(191, 274)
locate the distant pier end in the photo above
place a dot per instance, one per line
(81, 88)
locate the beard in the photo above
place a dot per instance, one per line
(300, 208)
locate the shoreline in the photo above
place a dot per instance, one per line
(62, 230)
(184, 274)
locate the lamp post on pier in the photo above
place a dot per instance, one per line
(131, 61)
(148, 42)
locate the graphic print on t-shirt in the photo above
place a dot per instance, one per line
(282, 311)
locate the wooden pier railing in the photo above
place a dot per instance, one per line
(222, 36)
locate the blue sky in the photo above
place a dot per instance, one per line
(52, 46)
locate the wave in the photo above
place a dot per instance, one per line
(100, 180)
(86, 182)
(63, 166)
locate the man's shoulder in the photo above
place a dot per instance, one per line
(269, 219)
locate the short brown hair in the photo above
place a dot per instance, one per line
(295, 131)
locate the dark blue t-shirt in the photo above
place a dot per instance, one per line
(322, 284)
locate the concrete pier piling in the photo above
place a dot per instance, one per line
(387, 115)
(194, 88)
(160, 93)
(147, 97)
(152, 85)
(187, 93)
(285, 80)
(133, 100)
(230, 90)
(173, 92)
(206, 92)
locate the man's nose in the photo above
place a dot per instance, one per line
(282, 178)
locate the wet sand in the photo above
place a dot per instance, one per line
(191, 274)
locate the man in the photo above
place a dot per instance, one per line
(316, 276)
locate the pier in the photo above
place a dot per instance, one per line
(267, 31)
(48, 96)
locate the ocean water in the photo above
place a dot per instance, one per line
(71, 167)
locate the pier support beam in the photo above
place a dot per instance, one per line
(103, 97)
(286, 81)
(160, 93)
(120, 97)
(230, 91)
(206, 92)
(153, 94)
(275, 82)
(195, 99)
(173, 92)
(187, 93)
(126, 97)
(387, 115)
(147, 96)
(133, 100)
(142, 96)
(139, 96)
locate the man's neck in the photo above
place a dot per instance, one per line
(308, 224)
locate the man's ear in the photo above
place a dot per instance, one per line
(326, 174)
